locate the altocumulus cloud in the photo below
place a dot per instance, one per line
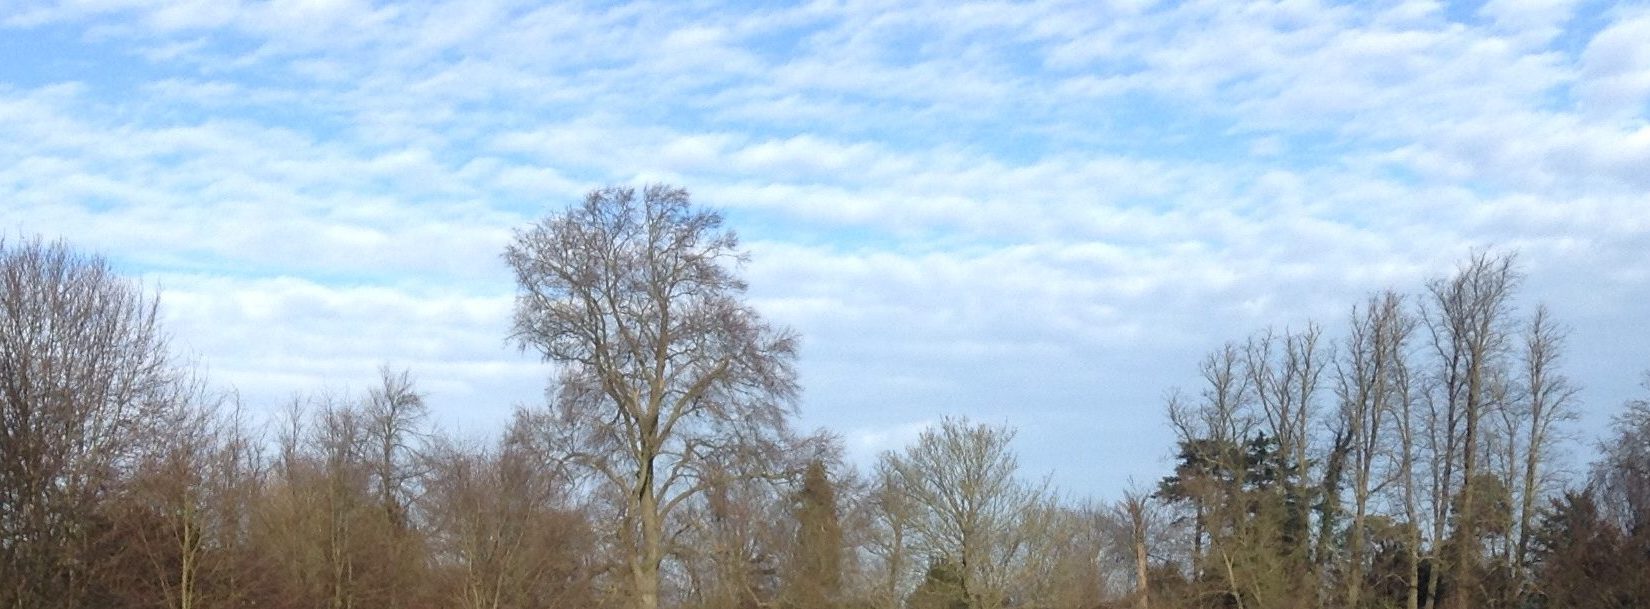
(1041, 213)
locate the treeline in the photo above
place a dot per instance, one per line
(1410, 462)
(1407, 461)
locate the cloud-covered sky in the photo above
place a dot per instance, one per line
(1041, 213)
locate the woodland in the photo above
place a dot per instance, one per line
(1404, 456)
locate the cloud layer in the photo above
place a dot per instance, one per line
(1041, 213)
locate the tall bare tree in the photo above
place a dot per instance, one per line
(1369, 382)
(1468, 323)
(1405, 421)
(393, 414)
(1213, 434)
(1549, 400)
(1283, 372)
(634, 296)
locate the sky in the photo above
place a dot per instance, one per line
(1039, 214)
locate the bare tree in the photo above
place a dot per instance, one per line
(169, 520)
(1214, 465)
(661, 364)
(1549, 400)
(1621, 475)
(393, 414)
(1405, 418)
(84, 373)
(1370, 385)
(1467, 321)
(1138, 512)
(963, 480)
(890, 521)
(1283, 372)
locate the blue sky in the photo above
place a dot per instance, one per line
(1038, 213)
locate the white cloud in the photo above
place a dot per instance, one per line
(1615, 69)
(1034, 211)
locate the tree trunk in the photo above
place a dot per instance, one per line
(1141, 586)
(645, 569)
(1412, 591)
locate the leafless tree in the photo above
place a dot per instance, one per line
(1211, 432)
(175, 518)
(1549, 400)
(634, 296)
(1468, 324)
(1621, 476)
(1405, 417)
(394, 412)
(963, 480)
(84, 373)
(890, 523)
(1283, 372)
(1370, 382)
(1138, 513)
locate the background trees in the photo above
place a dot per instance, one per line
(1592, 546)
(503, 530)
(1403, 460)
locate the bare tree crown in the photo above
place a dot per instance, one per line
(666, 376)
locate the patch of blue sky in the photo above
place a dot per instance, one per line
(50, 54)
(1590, 17)
(53, 54)
(1467, 12)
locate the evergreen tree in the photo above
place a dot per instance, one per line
(815, 581)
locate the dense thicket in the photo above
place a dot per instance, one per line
(1400, 457)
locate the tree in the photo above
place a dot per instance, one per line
(1284, 376)
(943, 587)
(1236, 478)
(815, 578)
(1591, 548)
(962, 478)
(1549, 399)
(1581, 559)
(175, 523)
(661, 364)
(890, 517)
(1137, 512)
(1467, 321)
(1371, 384)
(85, 373)
(1209, 434)
(394, 412)
(1621, 477)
